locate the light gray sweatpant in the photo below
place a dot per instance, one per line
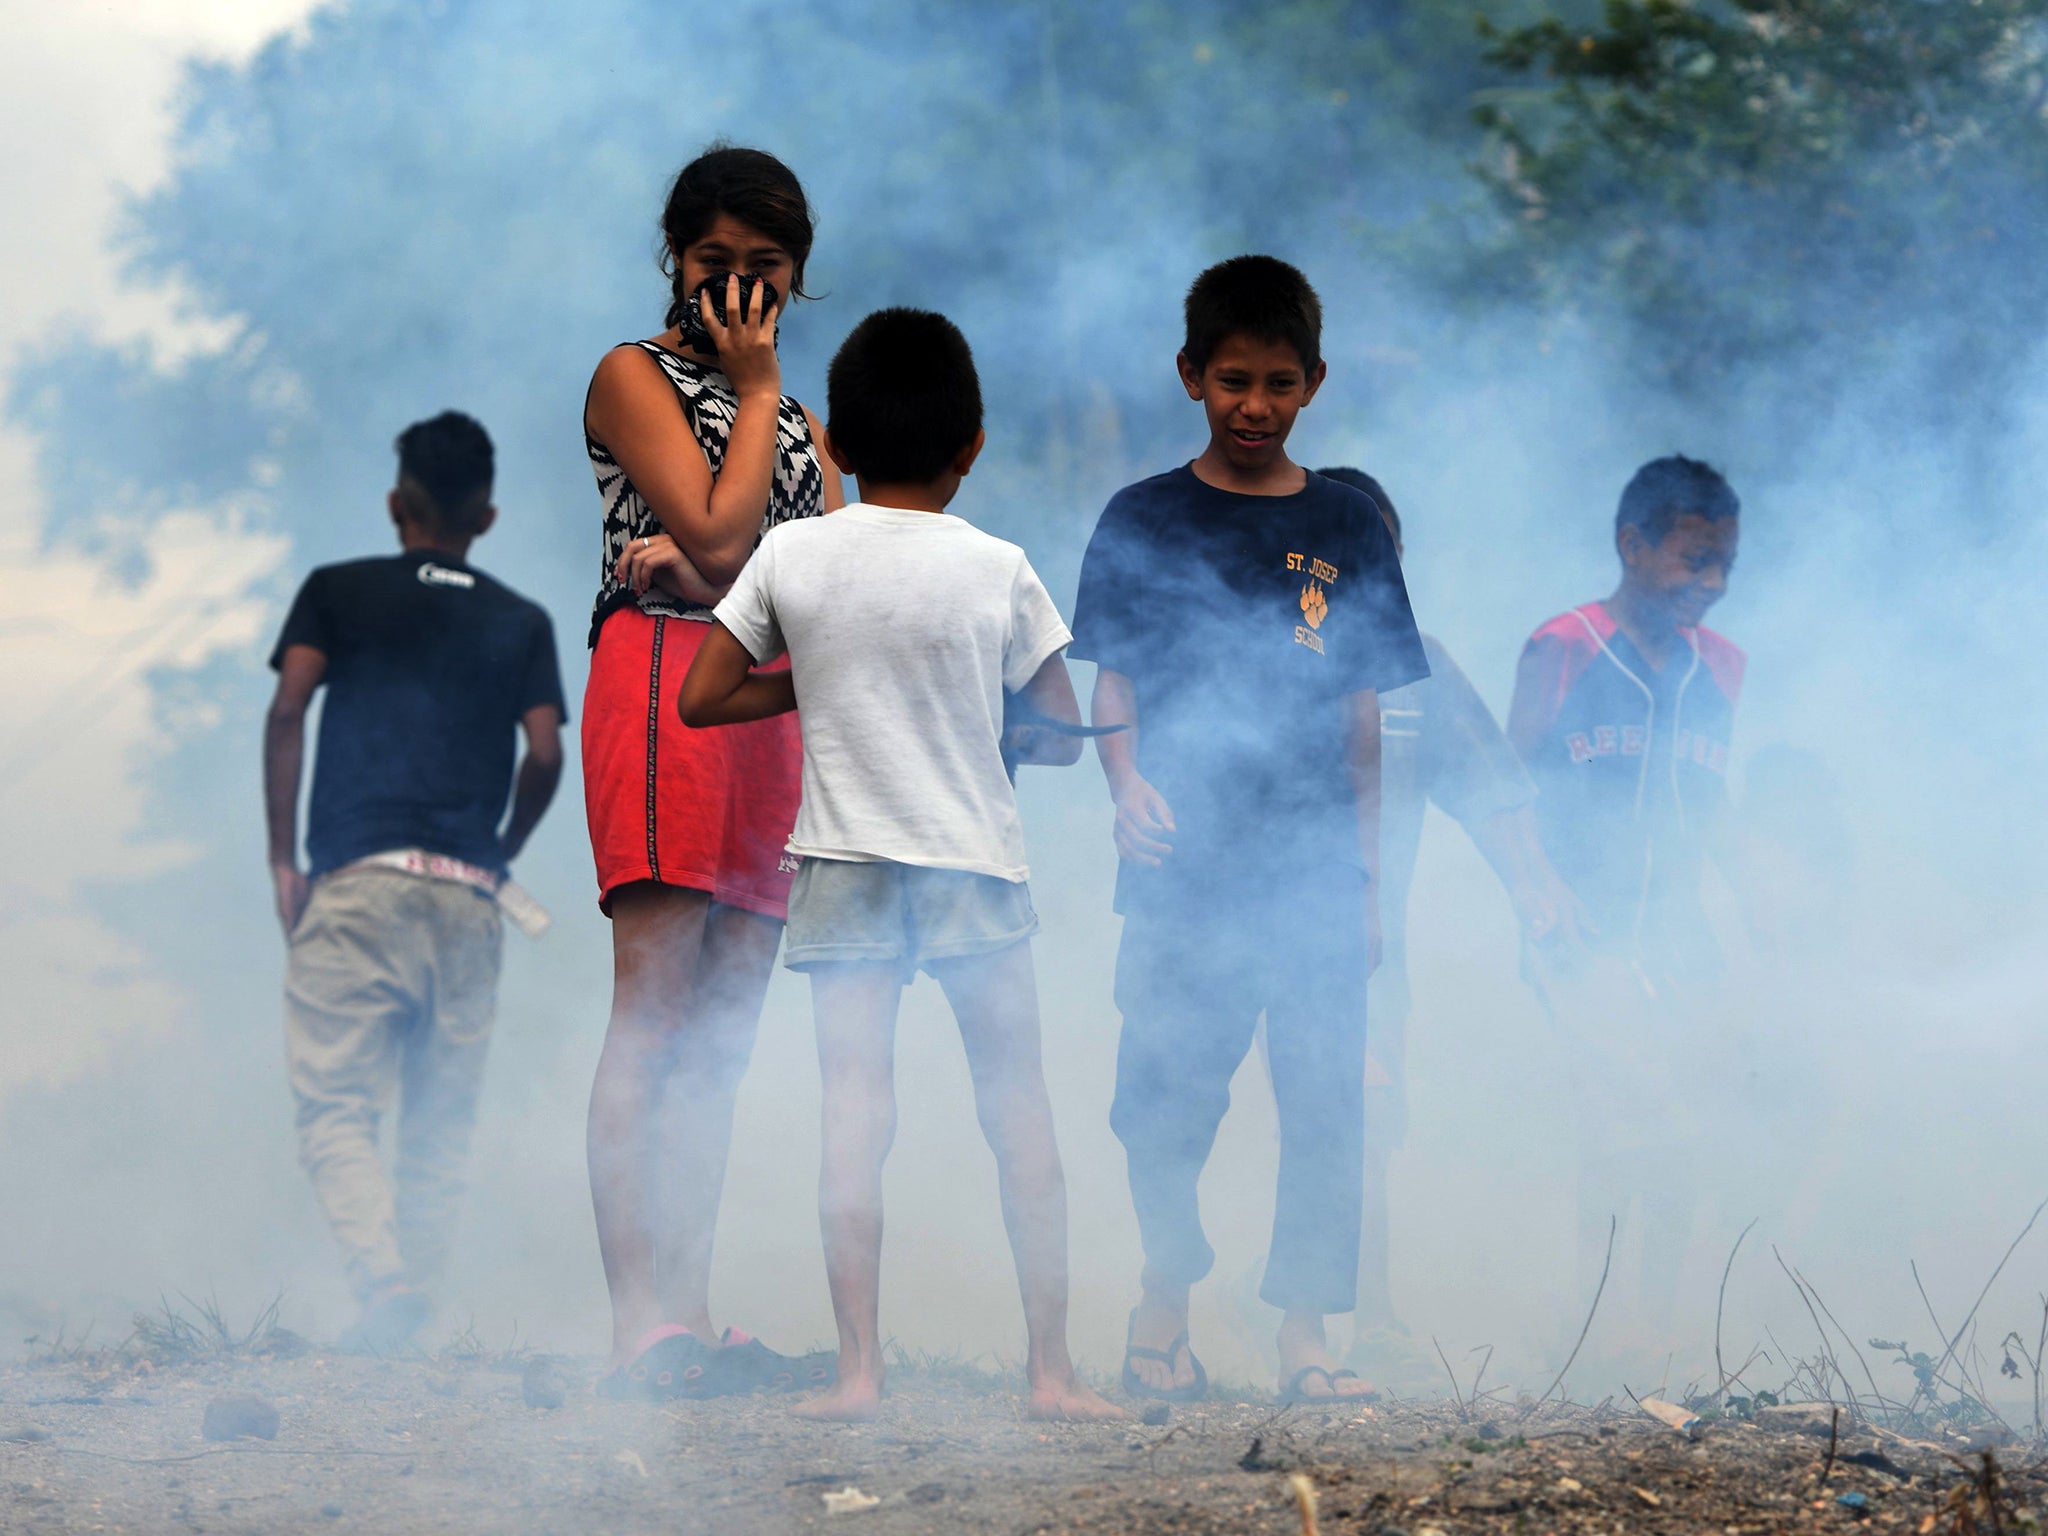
(390, 988)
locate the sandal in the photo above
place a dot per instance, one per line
(819, 1369)
(1293, 1394)
(742, 1363)
(668, 1362)
(1136, 1386)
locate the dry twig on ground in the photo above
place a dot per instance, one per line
(1598, 1290)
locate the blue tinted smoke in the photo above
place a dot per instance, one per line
(413, 207)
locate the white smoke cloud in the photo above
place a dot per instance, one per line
(87, 98)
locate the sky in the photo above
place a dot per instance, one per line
(89, 92)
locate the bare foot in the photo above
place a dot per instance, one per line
(1069, 1402)
(851, 1401)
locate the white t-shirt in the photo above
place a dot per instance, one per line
(903, 629)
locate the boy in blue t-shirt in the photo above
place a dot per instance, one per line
(1244, 614)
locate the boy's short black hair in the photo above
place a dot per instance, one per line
(1259, 296)
(901, 397)
(445, 468)
(1663, 490)
(1358, 479)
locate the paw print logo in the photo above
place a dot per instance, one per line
(1314, 605)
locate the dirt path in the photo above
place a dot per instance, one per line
(451, 1445)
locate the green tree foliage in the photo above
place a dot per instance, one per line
(1793, 181)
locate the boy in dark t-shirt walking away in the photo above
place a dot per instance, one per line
(431, 668)
(1243, 615)
(1623, 711)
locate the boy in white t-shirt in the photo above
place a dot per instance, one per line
(905, 627)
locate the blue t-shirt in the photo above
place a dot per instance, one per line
(430, 666)
(1245, 624)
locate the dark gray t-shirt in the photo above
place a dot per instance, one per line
(430, 667)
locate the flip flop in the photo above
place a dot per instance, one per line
(668, 1362)
(1293, 1396)
(1137, 1386)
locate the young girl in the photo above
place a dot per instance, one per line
(697, 452)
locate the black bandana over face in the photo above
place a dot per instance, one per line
(756, 293)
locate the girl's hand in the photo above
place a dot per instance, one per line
(656, 560)
(746, 348)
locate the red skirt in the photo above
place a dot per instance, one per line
(709, 810)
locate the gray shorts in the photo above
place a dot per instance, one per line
(840, 910)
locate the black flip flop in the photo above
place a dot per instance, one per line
(1136, 1386)
(671, 1362)
(1292, 1395)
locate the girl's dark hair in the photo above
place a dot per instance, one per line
(750, 185)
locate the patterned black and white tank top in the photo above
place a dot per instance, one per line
(797, 488)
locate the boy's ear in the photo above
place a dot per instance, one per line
(395, 505)
(484, 522)
(1190, 375)
(1631, 543)
(832, 452)
(963, 461)
(1314, 381)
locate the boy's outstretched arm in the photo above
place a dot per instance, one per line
(1362, 756)
(1548, 909)
(1144, 821)
(1051, 693)
(722, 689)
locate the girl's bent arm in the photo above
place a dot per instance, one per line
(722, 689)
(634, 412)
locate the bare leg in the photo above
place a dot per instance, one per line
(995, 1000)
(657, 936)
(709, 1058)
(854, 1005)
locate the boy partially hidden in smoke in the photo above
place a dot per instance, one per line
(431, 670)
(1623, 711)
(1439, 744)
(905, 627)
(1244, 615)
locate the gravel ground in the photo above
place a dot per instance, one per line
(452, 1444)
